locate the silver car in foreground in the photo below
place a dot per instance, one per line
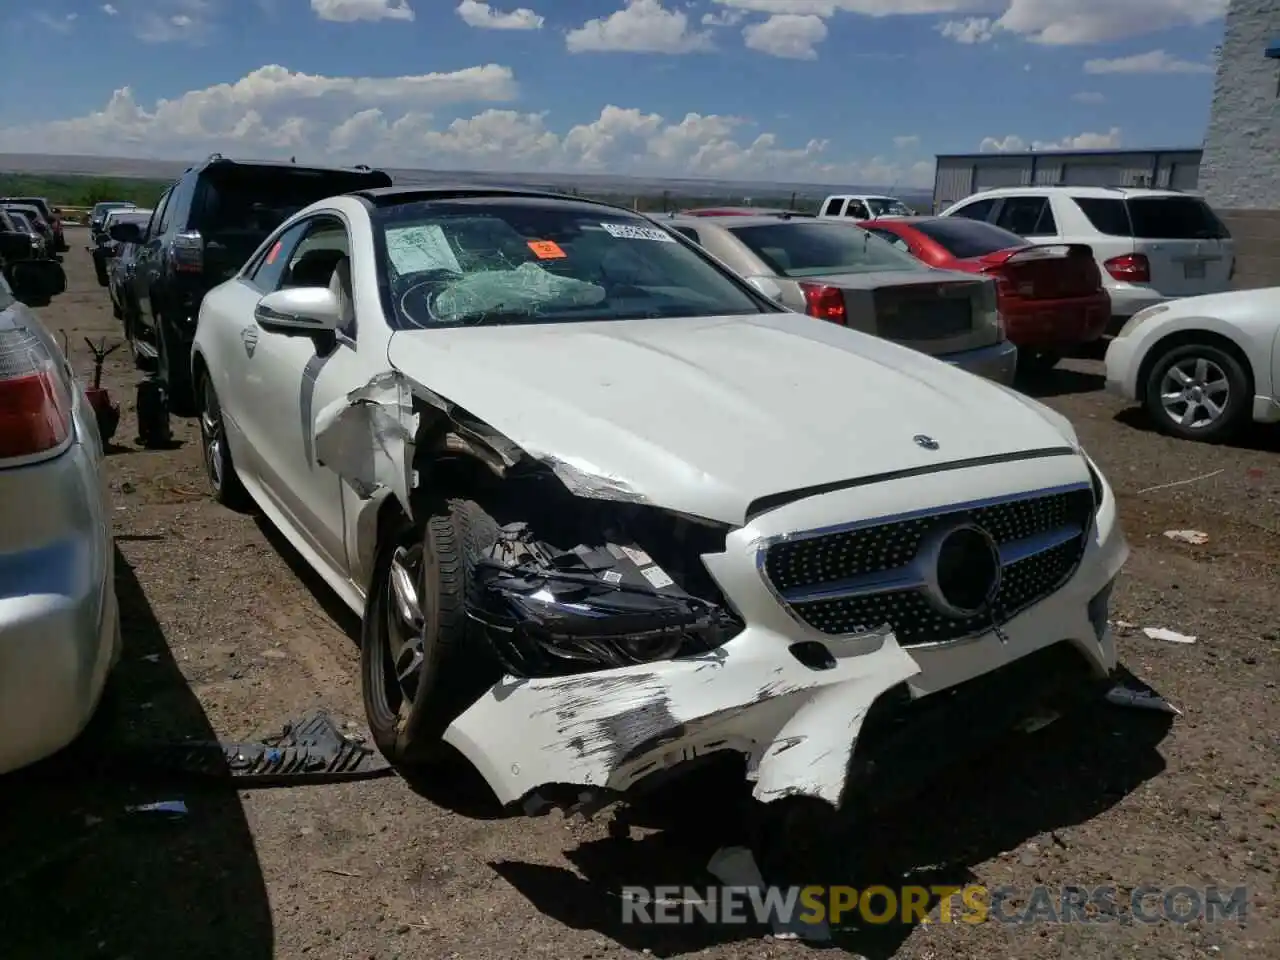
(838, 272)
(59, 623)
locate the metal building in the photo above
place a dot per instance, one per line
(958, 175)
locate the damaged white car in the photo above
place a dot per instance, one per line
(605, 509)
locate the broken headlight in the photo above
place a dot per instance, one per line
(550, 612)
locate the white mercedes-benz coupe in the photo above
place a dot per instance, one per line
(606, 509)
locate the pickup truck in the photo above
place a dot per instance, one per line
(864, 206)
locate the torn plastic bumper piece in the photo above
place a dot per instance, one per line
(310, 750)
(795, 724)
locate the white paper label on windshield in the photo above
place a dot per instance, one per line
(625, 231)
(415, 249)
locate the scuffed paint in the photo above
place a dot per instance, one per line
(796, 725)
(368, 437)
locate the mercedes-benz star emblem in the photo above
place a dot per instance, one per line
(962, 570)
(925, 441)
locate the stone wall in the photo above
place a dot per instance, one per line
(1240, 168)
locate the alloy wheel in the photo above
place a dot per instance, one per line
(211, 436)
(1194, 392)
(405, 626)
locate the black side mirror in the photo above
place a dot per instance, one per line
(36, 282)
(125, 233)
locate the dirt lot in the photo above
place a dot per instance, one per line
(227, 634)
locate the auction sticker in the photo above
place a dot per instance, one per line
(626, 231)
(547, 250)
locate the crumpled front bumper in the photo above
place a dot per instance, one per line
(797, 725)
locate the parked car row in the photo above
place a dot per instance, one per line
(44, 216)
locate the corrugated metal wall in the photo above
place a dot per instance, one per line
(958, 177)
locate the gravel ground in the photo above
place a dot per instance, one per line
(227, 634)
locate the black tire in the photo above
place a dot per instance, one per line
(115, 309)
(100, 270)
(175, 369)
(1229, 370)
(407, 719)
(1037, 363)
(224, 482)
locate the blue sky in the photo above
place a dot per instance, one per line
(859, 91)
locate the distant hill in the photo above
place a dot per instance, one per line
(690, 188)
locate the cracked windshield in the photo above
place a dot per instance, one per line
(467, 264)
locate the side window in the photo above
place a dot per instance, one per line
(164, 216)
(978, 210)
(858, 210)
(1027, 217)
(157, 216)
(688, 233)
(314, 259)
(266, 275)
(832, 209)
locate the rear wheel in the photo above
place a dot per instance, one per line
(421, 665)
(1037, 363)
(1198, 392)
(175, 368)
(224, 482)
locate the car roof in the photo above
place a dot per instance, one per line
(1118, 193)
(393, 196)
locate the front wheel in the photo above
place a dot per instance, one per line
(1198, 392)
(224, 482)
(421, 662)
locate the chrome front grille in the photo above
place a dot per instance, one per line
(858, 577)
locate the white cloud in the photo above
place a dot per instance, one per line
(969, 30)
(1155, 61)
(907, 142)
(482, 15)
(1057, 22)
(109, 10)
(1088, 96)
(273, 112)
(350, 11)
(61, 24)
(642, 26)
(788, 35)
(1085, 141)
(1095, 21)
(169, 21)
(723, 18)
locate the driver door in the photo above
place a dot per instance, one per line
(289, 378)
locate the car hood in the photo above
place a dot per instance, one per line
(707, 415)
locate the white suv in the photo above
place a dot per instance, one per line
(1151, 245)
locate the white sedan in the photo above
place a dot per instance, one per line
(605, 508)
(59, 625)
(1202, 367)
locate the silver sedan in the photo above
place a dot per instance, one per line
(59, 623)
(838, 272)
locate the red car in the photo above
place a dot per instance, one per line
(1051, 295)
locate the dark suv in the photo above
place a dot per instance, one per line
(203, 229)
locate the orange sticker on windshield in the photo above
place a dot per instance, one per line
(547, 250)
(275, 252)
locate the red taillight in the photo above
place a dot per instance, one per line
(823, 302)
(1131, 268)
(1004, 286)
(188, 252)
(35, 407)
